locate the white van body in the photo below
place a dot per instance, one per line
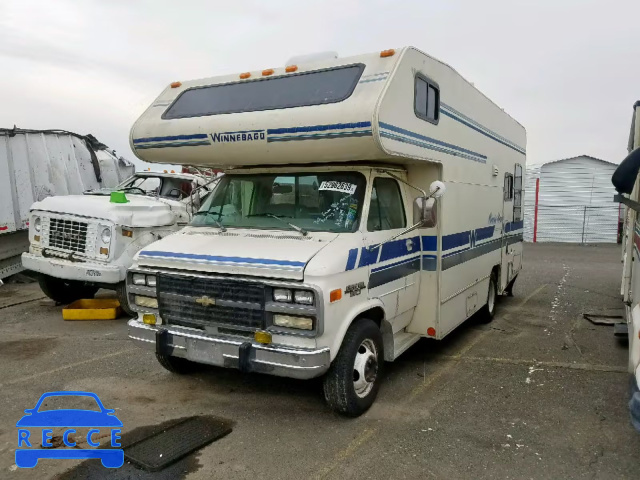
(406, 118)
(630, 288)
(85, 242)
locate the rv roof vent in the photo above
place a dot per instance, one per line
(312, 58)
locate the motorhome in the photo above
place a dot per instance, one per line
(80, 243)
(627, 183)
(328, 247)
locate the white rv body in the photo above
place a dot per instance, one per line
(630, 288)
(412, 284)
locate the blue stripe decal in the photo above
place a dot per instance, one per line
(513, 226)
(429, 243)
(215, 258)
(485, 232)
(373, 80)
(459, 117)
(170, 145)
(174, 137)
(320, 136)
(389, 265)
(318, 128)
(368, 257)
(455, 240)
(351, 260)
(450, 146)
(398, 248)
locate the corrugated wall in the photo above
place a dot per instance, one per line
(575, 202)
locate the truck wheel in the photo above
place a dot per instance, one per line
(352, 382)
(489, 310)
(177, 365)
(123, 298)
(65, 291)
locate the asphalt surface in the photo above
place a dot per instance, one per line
(538, 393)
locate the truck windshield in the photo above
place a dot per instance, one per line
(327, 201)
(169, 187)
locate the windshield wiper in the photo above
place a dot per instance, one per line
(217, 222)
(295, 227)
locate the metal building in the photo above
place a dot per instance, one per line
(571, 200)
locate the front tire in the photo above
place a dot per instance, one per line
(65, 291)
(353, 380)
(123, 298)
(178, 365)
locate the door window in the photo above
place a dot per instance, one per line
(386, 211)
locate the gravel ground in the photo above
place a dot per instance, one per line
(538, 393)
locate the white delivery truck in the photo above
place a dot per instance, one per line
(323, 249)
(627, 182)
(35, 164)
(80, 243)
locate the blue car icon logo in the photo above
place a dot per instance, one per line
(98, 421)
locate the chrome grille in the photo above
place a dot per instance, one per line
(200, 301)
(69, 235)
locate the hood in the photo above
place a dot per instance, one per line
(140, 211)
(262, 253)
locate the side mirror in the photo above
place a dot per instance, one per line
(425, 212)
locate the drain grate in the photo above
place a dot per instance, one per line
(161, 449)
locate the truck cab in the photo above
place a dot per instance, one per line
(328, 247)
(79, 243)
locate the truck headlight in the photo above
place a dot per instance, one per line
(37, 224)
(139, 279)
(282, 295)
(293, 321)
(105, 236)
(305, 297)
(151, 281)
(147, 302)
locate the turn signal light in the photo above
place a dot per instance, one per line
(387, 53)
(149, 319)
(291, 68)
(127, 233)
(268, 71)
(104, 251)
(176, 84)
(36, 238)
(335, 295)
(245, 75)
(262, 337)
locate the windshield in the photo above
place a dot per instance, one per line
(177, 188)
(328, 202)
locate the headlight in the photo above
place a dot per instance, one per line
(105, 236)
(151, 280)
(282, 295)
(37, 224)
(148, 302)
(291, 321)
(139, 279)
(304, 297)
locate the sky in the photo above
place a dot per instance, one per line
(568, 70)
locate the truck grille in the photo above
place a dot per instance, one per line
(68, 235)
(199, 302)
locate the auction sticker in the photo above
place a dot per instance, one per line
(344, 187)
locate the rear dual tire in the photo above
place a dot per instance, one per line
(488, 312)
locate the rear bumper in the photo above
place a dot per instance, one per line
(68, 270)
(231, 353)
(634, 402)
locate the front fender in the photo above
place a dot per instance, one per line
(350, 316)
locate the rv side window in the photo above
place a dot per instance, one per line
(386, 211)
(517, 194)
(508, 187)
(426, 100)
(318, 87)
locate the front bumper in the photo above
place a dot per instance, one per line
(231, 353)
(634, 402)
(83, 271)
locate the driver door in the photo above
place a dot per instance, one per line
(395, 265)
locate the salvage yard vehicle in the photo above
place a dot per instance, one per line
(627, 183)
(80, 243)
(328, 246)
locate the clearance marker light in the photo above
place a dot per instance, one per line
(176, 84)
(291, 68)
(335, 295)
(267, 72)
(431, 332)
(387, 53)
(245, 75)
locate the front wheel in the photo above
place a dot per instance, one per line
(65, 291)
(177, 365)
(489, 310)
(352, 383)
(123, 298)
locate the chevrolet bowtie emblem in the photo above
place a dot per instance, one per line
(206, 301)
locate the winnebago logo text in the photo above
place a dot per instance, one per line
(241, 136)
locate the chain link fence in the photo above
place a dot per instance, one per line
(572, 223)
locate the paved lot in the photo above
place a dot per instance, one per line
(539, 393)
